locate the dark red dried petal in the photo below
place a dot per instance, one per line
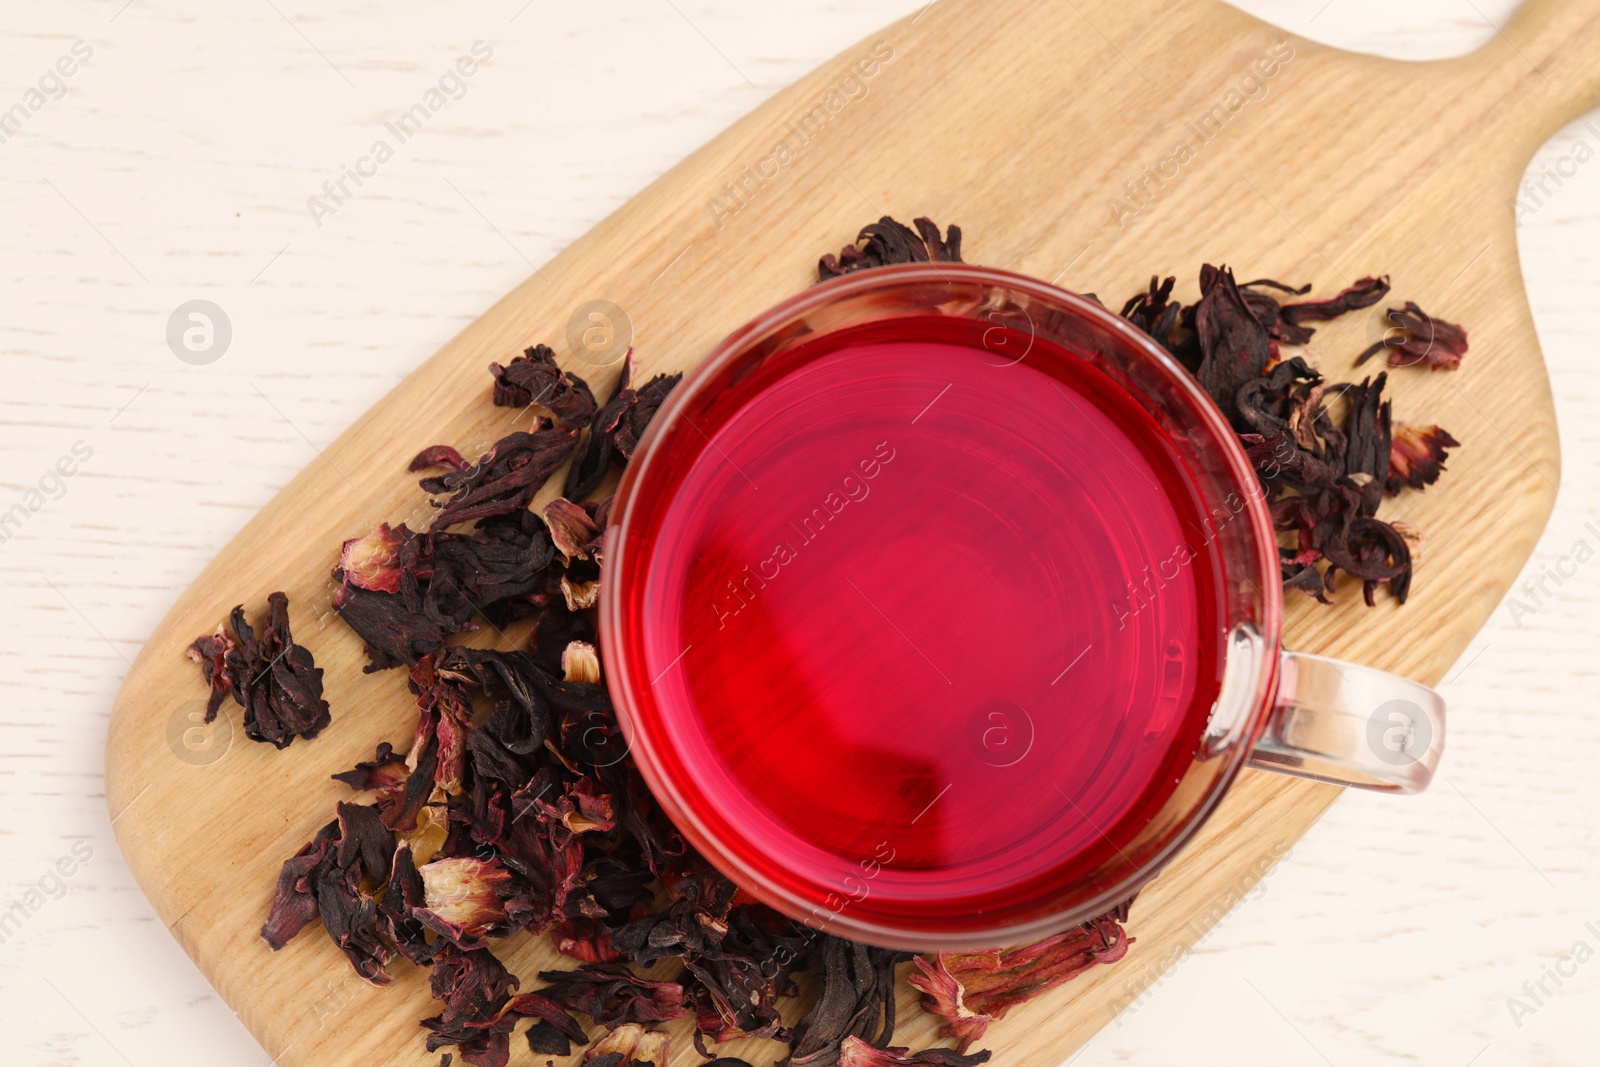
(612, 995)
(968, 990)
(211, 653)
(438, 456)
(886, 241)
(365, 839)
(385, 772)
(1363, 294)
(276, 681)
(535, 378)
(475, 988)
(1418, 456)
(1234, 345)
(1155, 312)
(376, 561)
(504, 479)
(294, 903)
(1416, 337)
(855, 1052)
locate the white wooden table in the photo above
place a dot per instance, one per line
(177, 164)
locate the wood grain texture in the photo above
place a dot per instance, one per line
(976, 120)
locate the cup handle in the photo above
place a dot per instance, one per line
(1350, 725)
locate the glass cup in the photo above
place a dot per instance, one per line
(1276, 709)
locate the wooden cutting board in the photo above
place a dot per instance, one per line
(1033, 125)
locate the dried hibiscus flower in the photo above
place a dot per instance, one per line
(276, 681)
(534, 378)
(629, 1045)
(887, 241)
(612, 995)
(503, 480)
(1417, 337)
(855, 1052)
(970, 990)
(475, 988)
(1286, 322)
(462, 898)
(1418, 456)
(613, 433)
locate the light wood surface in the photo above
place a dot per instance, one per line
(985, 142)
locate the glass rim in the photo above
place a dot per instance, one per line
(636, 479)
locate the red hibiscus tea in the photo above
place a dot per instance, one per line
(927, 627)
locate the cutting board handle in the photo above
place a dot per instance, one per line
(1557, 44)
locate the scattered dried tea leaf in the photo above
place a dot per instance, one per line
(386, 771)
(611, 995)
(555, 1032)
(1286, 322)
(475, 988)
(857, 1001)
(1234, 346)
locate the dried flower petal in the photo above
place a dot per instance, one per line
(580, 594)
(1362, 294)
(276, 681)
(629, 1045)
(211, 653)
(581, 662)
(1417, 337)
(374, 561)
(855, 1052)
(294, 904)
(571, 529)
(504, 479)
(475, 989)
(858, 999)
(556, 1031)
(887, 241)
(1418, 456)
(970, 989)
(385, 772)
(614, 432)
(612, 995)
(463, 897)
(1155, 312)
(1234, 345)
(438, 456)
(535, 378)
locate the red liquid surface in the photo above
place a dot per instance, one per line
(898, 665)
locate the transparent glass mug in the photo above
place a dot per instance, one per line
(1285, 711)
